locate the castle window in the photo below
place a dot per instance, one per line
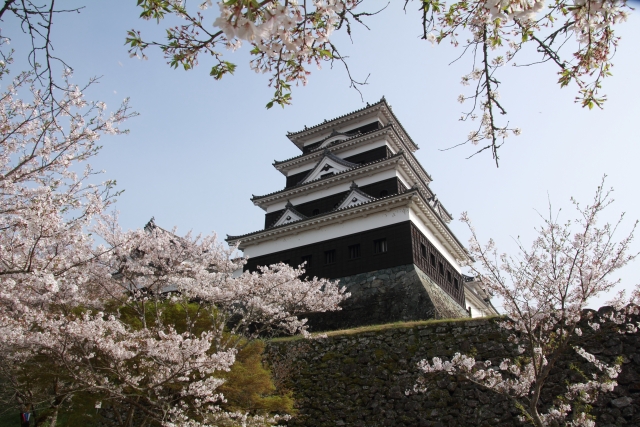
(380, 246)
(456, 283)
(441, 268)
(316, 212)
(433, 260)
(354, 251)
(330, 256)
(307, 259)
(423, 250)
(448, 276)
(384, 193)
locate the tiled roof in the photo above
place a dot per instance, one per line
(332, 156)
(315, 150)
(400, 153)
(437, 205)
(291, 135)
(415, 191)
(415, 163)
(232, 238)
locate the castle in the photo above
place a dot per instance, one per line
(357, 207)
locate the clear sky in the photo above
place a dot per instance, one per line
(201, 148)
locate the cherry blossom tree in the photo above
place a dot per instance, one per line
(141, 323)
(545, 291)
(288, 37)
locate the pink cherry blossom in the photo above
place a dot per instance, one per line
(121, 321)
(545, 291)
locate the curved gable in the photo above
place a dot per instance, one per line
(330, 164)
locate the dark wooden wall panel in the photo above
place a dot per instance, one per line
(296, 178)
(370, 156)
(272, 217)
(399, 252)
(308, 148)
(389, 185)
(424, 263)
(323, 205)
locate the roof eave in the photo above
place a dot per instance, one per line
(412, 195)
(283, 165)
(395, 198)
(463, 255)
(260, 200)
(296, 136)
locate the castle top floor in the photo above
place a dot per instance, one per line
(367, 119)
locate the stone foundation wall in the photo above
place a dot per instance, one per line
(359, 378)
(396, 294)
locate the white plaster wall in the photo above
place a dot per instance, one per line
(433, 239)
(404, 179)
(328, 191)
(477, 310)
(332, 231)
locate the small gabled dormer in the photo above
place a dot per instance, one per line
(290, 214)
(330, 164)
(354, 197)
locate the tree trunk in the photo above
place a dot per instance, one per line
(54, 418)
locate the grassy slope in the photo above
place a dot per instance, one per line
(378, 328)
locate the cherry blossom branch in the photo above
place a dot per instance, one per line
(545, 291)
(286, 37)
(498, 24)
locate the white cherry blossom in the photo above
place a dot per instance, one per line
(545, 291)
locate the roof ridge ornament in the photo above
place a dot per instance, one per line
(353, 185)
(288, 205)
(151, 224)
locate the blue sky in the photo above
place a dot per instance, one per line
(201, 148)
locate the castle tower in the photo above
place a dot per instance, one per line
(357, 207)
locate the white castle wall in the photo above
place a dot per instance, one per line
(355, 225)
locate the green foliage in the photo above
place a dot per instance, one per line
(154, 9)
(249, 386)
(191, 317)
(221, 69)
